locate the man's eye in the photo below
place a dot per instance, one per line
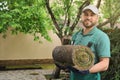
(85, 14)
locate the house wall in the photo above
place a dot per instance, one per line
(23, 46)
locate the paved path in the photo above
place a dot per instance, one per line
(34, 74)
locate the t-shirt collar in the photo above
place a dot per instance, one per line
(91, 32)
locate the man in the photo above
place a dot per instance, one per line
(100, 45)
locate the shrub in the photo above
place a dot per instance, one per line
(113, 73)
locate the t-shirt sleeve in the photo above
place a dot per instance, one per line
(103, 46)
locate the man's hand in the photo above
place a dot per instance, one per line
(72, 68)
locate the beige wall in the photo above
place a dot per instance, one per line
(23, 46)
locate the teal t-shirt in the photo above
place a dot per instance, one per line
(100, 47)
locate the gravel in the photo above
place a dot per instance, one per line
(34, 74)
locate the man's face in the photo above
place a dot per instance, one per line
(89, 19)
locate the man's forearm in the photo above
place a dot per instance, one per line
(101, 66)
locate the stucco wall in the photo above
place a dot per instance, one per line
(23, 46)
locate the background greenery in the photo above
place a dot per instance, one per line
(26, 16)
(113, 73)
(36, 17)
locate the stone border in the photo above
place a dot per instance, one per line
(25, 62)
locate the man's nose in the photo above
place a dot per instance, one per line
(88, 17)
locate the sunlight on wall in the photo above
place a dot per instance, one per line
(22, 46)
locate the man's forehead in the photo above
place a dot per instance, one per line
(88, 11)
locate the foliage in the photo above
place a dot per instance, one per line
(30, 16)
(27, 16)
(65, 15)
(113, 72)
(65, 8)
(111, 10)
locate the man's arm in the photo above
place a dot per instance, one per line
(100, 66)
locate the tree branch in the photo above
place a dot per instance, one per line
(87, 2)
(108, 21)
(52, 15)
(98, 4)
(67, 19)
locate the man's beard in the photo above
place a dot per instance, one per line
(88, 24)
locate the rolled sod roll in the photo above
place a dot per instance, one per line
(73, 55)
